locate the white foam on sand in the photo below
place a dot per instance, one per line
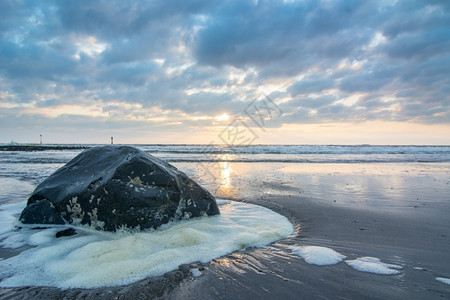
(196, 272)
(96, 259)
(443, 280)
(373, 265)
(8, 216)
(12, 240)
(316, 255)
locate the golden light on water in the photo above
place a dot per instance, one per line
(225, 173)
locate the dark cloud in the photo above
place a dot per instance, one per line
(112, 19)
(247, 33)
(407, 17)
(32, 61)
(130, 74)
(311, 84)
(420, 45)
(368, 80)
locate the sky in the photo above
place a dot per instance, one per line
(233, 72)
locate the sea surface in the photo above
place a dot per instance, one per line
(22, 167)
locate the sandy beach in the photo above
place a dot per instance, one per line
(397, 213)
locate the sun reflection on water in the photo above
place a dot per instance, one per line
(224, 180)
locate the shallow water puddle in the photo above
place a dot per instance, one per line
(96, 259)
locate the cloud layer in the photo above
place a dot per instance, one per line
(174, 66)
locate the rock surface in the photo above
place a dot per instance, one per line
(117, 187)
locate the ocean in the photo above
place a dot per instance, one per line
(16, 161)
(374, 204)
(22, 167)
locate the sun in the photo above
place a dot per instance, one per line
(223, 117)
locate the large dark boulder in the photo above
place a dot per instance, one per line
(114, 187)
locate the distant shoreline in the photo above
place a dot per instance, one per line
(88, 145)
(37, 147)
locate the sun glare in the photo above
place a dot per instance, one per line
(223, 117)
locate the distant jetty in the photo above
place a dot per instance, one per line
(38, 147)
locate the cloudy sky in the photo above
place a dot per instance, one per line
(176, 71)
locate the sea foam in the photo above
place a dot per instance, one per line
(443, 280)
(373, 265)
(97, 259)
(8, 216)
(321, 256)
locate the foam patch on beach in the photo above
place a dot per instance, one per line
(373, 265)
(196, 272)
(321, 256)
(8, 216)
(92, 258)
(443, 280)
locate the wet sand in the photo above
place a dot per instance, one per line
(276, 273)
(397, 213)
